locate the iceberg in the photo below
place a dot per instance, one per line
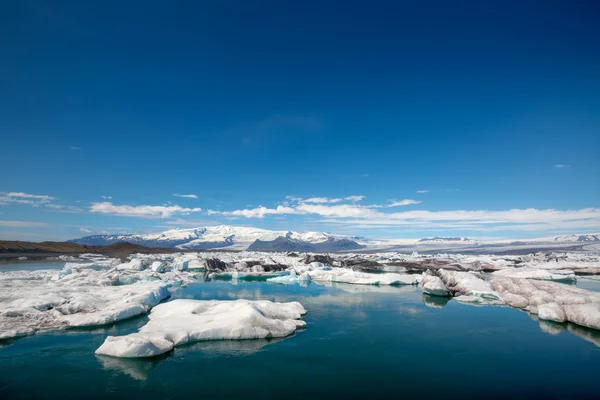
(468, 287)
(433, 285)
(185, 321)
(135, 264)
(344, 275)
(551, 301)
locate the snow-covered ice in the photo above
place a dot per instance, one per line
(550, 300)
(433, 285)
(86, 294)
(562, 275)
(183, 321)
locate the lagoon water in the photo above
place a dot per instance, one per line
(360, 342)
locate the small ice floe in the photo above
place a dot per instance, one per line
(291, 279)
(185, 321)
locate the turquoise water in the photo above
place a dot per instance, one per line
(360, 342)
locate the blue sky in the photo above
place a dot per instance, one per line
(490, 109)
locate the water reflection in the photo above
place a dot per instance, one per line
(141, 368)
(555, 328)
(138, 369)
(435, 301)
(229, 347)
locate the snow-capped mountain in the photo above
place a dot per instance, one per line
(578, 238)
(230, 238)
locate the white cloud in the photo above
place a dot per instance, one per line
(76, 148)
(107, 197)
(561, 166)
(22, 224)
(187, 196)
(83, 230)
(24, 198)
(405, 202)
(320, 200)
(325, 200)
(377, 216)
(422, 191)
(258, 212)
(143, 211)
(354, 198)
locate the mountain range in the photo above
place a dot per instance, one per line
(227, 237)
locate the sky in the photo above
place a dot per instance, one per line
(390, 119)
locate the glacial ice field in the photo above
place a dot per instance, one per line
(350, 324)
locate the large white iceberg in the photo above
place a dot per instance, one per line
(344, 275)
(184, 321)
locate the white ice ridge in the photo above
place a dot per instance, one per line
(551, 301)
(82, 294)
(344, 275)
(562, 275)
(184, 321)
(468, 287)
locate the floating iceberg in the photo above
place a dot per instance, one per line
(291, 279)
(184, 321)
(550, 300)
(344, 275)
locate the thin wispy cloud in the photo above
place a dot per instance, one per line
(324, 200)
(422, 191)
(561, 166)
(143, 211)
(405, 202)
(107, 197)
(83, 230)
(24, 198)
(186, 196)
(75, 148)
(22, 224)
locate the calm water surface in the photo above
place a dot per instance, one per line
(360, 342)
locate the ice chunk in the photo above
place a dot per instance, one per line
(433, 285)
(184, 321)
(472, 288)
(135, 264)
(180, 264)
(158, 266)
